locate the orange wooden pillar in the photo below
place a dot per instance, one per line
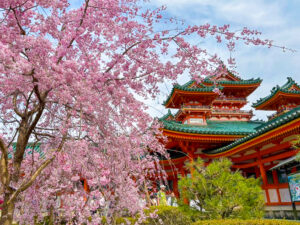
(262, 169)
(175, 186)
(191, 156)
(263, 174)
(86, 186)
(264, 179)
(182, 171)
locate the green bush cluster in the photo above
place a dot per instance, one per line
(169, 215)
(245, 222)
(219, 192)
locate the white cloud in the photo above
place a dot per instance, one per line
(256, 13)
(276, 19)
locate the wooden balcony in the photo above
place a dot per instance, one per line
(232, 112)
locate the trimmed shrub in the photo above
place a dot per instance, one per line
(245, 222)
(167, 215)
(120, 221)
(125, 220)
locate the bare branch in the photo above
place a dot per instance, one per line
(22, 31)
(139, 42)
(22, 115)
(124, 53)
(4, 174)
(80, 24)
(28, 183)
(13, 138)
(43, 134)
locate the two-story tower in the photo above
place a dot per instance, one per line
(210, 126)
(205, 119)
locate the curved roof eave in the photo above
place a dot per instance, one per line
(281, 120)
(187, 89)
(284, 88)
(273, 94)
(235, 128)
(241, 82)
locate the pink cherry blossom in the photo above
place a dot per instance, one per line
(69, 77)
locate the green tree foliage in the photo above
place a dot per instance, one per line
(217, 192)
(296, 144)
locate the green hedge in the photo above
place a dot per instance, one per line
(245, 222)
(167, 215)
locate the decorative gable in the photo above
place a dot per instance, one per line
(294, 87)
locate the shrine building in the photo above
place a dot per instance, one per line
(210, 126)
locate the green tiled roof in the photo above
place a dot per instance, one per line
(187, 84)
(270, 125)
(166, 116)
(284, 88)
(186, 87)
(237, 82)
(232, 74)
(250, 81)
(36, 148)
(214, 127)
(290, 83)
(228, 71)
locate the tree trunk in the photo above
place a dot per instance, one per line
(51, 216)
(7, 214)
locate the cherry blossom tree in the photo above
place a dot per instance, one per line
(69, 78)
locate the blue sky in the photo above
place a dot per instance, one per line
(278, 20)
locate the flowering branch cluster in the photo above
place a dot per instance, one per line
(68, 80)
